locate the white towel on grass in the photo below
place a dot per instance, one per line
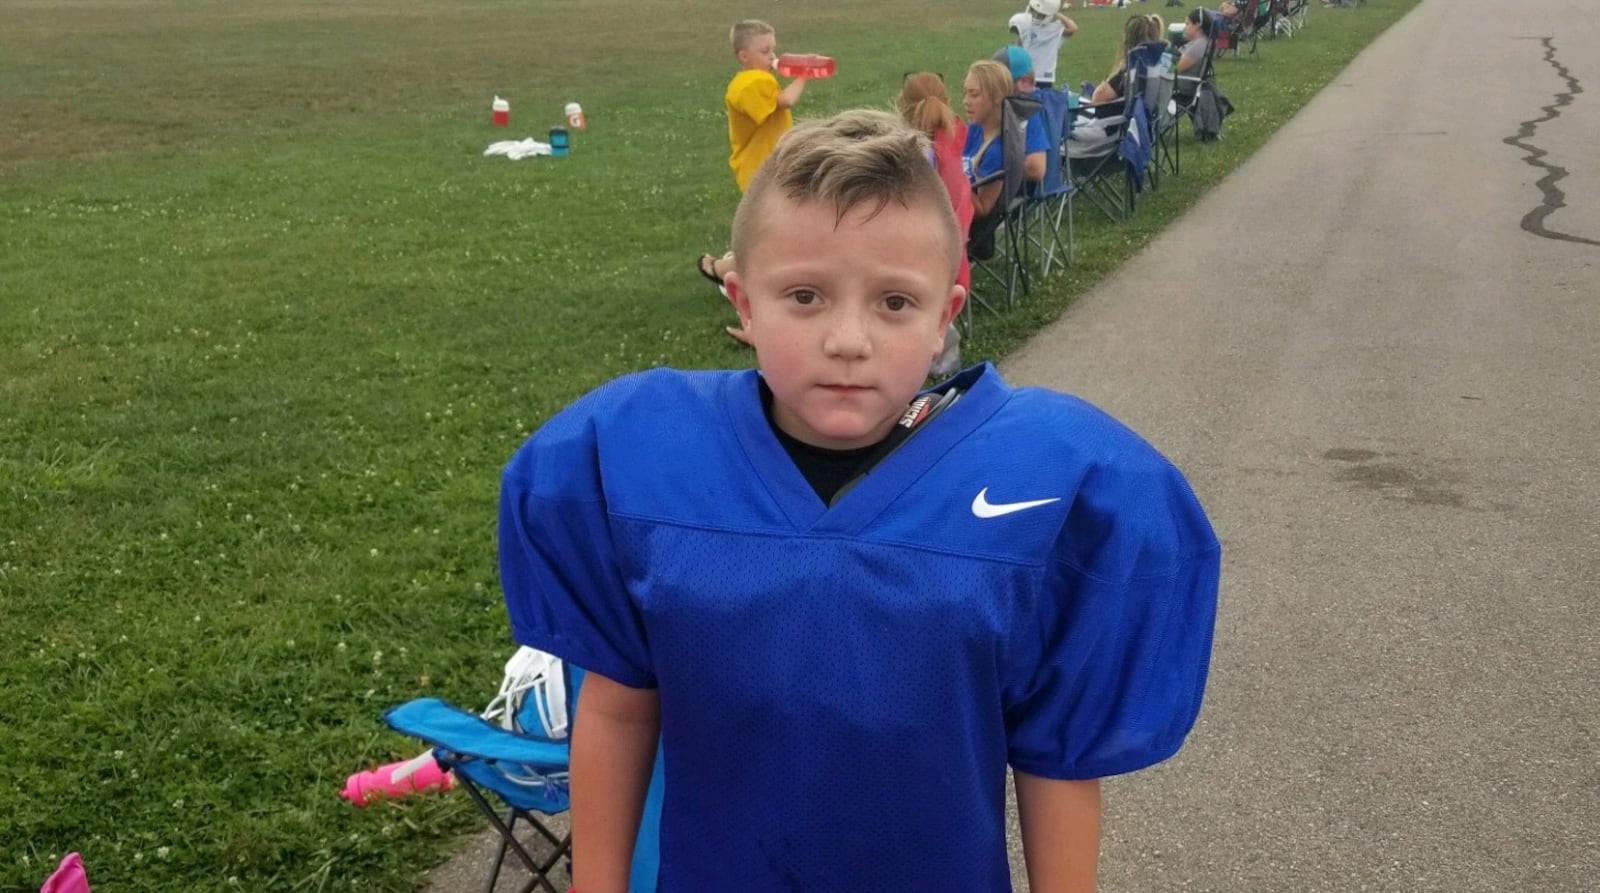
(518, 149)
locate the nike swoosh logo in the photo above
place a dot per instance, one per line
(983, 508)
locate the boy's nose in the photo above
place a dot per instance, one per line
(847, 336)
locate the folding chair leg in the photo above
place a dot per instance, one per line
(1071, 245)
(508, 840)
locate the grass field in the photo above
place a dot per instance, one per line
(270, 325)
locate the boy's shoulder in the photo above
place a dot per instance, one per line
(1064, 425)
(631, 406)
(744, 77)
(1111, 487)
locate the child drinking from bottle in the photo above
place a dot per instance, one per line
(759, 111)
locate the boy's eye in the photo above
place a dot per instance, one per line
(803, 297)
(897, 302)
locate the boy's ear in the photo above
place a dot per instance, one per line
(738, 297)
(958, 299)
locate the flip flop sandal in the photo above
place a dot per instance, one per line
(707, 268)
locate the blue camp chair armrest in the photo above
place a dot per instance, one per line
(447, 726)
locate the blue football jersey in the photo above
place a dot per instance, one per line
(1024, 581)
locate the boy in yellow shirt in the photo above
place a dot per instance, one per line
(758, 113)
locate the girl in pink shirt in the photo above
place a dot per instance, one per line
(925, 104)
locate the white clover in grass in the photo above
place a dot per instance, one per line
(162, 852)
(341, 647)
(373, 553)
(118, 754)
(178, 803)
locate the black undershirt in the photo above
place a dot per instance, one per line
(825, 470)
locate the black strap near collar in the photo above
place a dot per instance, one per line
(916, 417)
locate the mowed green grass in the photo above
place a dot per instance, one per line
(270, 325)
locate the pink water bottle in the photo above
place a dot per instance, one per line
(806, 65)
(502, 112)
(397, 780)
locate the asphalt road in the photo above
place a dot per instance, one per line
(1377, 356)
(1375, 349)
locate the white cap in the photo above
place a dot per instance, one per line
(573, 108)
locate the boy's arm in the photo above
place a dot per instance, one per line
(1069, 26)
(790, 95)
(613, 749)
(1060, 832)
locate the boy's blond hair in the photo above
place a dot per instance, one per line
(853, 159)
(746, 31)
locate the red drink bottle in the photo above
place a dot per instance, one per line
(806, 65)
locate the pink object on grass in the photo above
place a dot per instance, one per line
(397, 780)
(69, 877)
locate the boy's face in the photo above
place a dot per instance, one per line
(846, 320)
(760, 53)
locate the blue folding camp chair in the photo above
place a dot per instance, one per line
(1109, 145)
(522, 763)
(996, 245)
(1049, 203)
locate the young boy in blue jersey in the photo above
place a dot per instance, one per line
(846, 607)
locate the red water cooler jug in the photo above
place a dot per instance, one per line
(805, 65)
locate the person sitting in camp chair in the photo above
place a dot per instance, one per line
(1138, 31)
(985, 89)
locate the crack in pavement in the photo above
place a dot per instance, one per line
(1554, 198)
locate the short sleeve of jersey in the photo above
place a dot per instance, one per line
(1037, 139)
(754, 94)
(564, 590)
(1113, 682)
